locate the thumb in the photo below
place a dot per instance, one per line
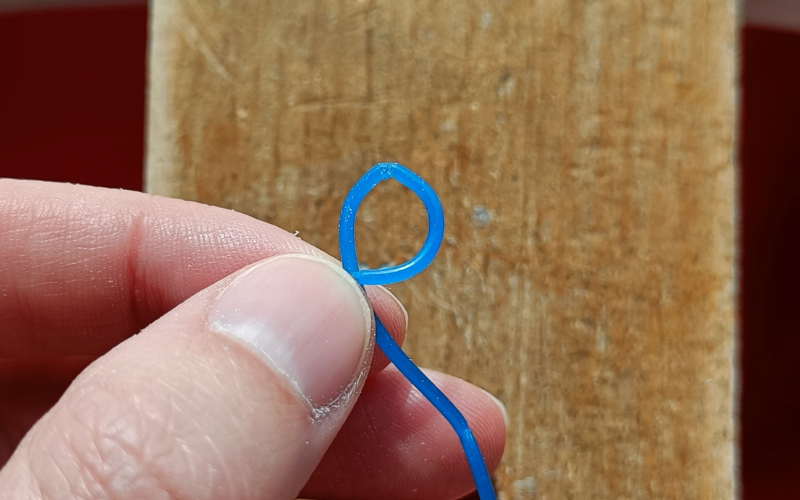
(235, 394)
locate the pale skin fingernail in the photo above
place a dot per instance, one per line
(500, 405)
(305, 316)
(399, 304)
(387, 296)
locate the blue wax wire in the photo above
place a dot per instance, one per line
(387, 276)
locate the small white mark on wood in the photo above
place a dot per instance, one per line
(526, 487)
(480, 216)
(602, 340)
(506, 86)
(486, 20)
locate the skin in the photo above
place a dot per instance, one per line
(181, 410)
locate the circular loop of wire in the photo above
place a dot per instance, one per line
(347, 225)
(387, 276)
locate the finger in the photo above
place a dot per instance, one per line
(235, 394)
(84, 268)
(28, 388)
(396, 446)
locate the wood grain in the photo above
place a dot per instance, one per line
(583, 153)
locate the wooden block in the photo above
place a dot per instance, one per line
(583, 152)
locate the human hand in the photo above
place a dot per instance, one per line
(244, 373)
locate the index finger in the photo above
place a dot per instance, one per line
(83, 268)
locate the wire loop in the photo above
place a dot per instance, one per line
(387, 276)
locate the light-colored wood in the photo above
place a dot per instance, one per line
(583, 152)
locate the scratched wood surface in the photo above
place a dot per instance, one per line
(583, 153)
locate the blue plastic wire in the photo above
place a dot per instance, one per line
(387, 276)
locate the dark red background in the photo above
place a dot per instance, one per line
(770, 300)
(72, 95)
(72, 100)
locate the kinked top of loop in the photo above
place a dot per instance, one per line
(347, 225)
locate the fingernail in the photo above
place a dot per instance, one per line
(500, 405)
(398, 303)
(305, 316)
(381, 294)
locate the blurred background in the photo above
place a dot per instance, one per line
(72, 109)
